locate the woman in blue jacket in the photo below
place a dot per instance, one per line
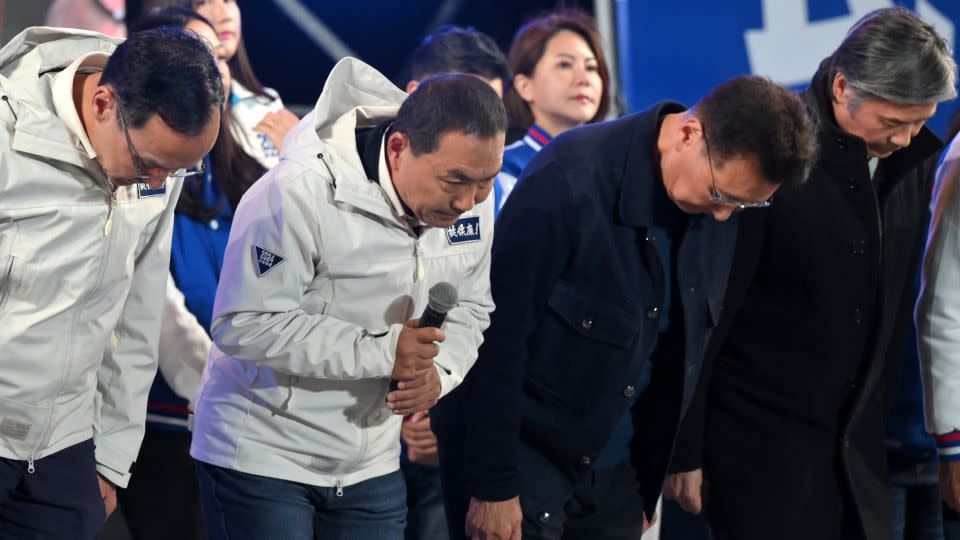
(560, 82)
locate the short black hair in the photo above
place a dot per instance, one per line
(168, 72)
(462, 50)
(233, 169)
(756, 118)
(449, 102)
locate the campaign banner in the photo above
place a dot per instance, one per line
(680, 49)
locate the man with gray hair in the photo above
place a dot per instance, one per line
(787, 434)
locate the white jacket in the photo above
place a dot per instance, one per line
(938, 309)
(318, 276)
(249, 109)
(82, 273)
(184, 347)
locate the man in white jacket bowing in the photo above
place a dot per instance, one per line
(331, 255)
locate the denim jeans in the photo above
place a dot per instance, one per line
(916, 501)
(951, 523)
(426, 519)
(238, 506)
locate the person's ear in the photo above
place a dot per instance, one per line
(690, 132)
(104, 104)
(524, 87)
(841, 89)
(397, 146)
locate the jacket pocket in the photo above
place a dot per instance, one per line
(271, 388)
(8, 238)
(593, 317)
(581, 344)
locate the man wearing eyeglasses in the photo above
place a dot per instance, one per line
(97, 130)
(608, 272)
(789, 433)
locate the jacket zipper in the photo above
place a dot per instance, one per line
(418, 274)
(338, 486)
(103, 267)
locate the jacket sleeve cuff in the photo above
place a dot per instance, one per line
(492, 488)
(948, 446)
(113, 464)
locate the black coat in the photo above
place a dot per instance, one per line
(808, 350)
(578, 283)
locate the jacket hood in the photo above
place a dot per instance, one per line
(41, 49)
(26, 63)
(354, 96)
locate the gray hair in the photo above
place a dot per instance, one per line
(891, 54)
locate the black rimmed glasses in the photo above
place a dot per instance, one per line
(717, 197)
(138, 162)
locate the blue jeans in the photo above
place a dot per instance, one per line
(239, 506)
(426, 519)
(916, 513)
(916, 501)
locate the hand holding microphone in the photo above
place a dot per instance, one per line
(416, 384)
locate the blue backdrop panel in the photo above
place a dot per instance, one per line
(680, 49)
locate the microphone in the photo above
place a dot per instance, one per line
(443, 297)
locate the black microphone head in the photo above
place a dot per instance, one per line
(443, 297)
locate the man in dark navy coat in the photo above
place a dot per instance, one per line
(789, 433)
(610, 263)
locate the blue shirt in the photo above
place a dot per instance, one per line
(515, 158)
(668, 232)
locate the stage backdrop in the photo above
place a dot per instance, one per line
(680, 49)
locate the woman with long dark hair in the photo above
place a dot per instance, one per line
(560, 81)
(262, 121)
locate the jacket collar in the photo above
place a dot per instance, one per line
(837, 147)
(355, 96)
(641, 173)
(536, 137)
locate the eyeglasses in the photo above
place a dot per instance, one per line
(719, 198)
(138, 161)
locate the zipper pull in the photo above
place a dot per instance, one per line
(109, 224)
(339, 487)
(30, 467)
(421, 272)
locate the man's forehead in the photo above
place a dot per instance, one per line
(904, 113)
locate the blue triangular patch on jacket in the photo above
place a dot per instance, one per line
(464, 230)
(265, 260)
(144, 191)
